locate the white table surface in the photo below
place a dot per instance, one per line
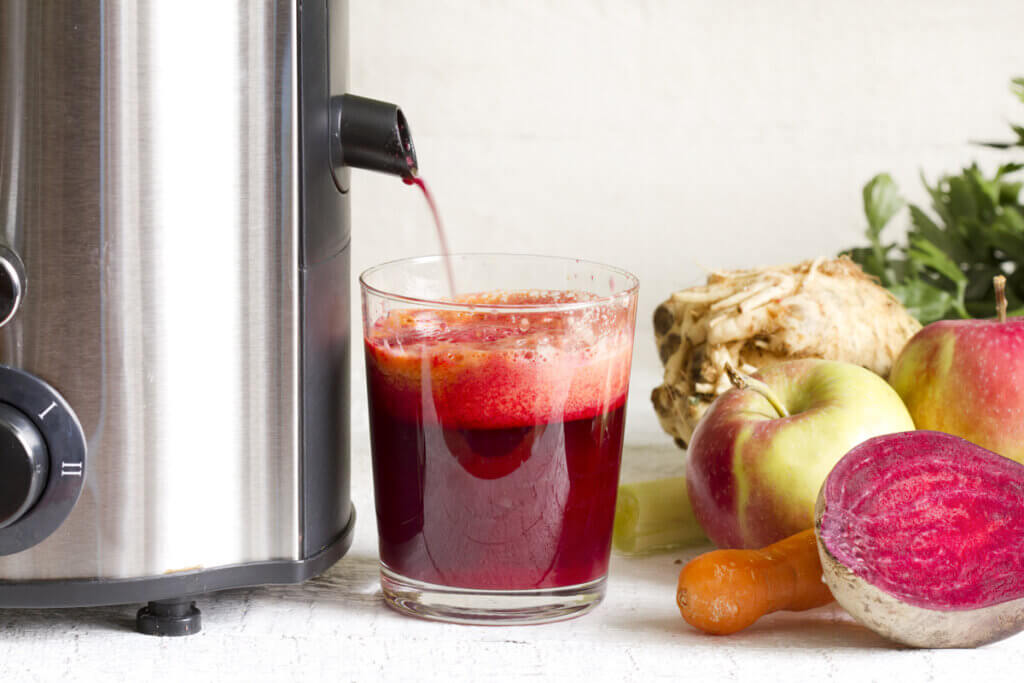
(336, 627)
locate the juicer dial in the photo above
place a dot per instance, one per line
(24, 464)
(42, 460)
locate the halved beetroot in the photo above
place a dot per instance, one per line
(921, 537)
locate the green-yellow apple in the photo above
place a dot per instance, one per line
(966, 377)
(754, 469)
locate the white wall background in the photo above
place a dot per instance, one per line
(669, 137)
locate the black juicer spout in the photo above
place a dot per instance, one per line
(371, 134)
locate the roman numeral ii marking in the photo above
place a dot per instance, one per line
(70, 469)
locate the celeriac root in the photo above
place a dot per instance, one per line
(751, 318)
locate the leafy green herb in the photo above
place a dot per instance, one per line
(973, 231)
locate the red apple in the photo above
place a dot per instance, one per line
(753, 474)
(966, 377)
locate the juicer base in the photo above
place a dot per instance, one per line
(488, 607)
(177, 586)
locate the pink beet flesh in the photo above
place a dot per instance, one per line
(929, 518)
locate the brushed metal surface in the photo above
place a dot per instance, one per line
(148, 179)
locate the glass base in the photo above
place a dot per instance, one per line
(488, 607)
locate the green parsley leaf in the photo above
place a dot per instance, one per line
(973, 230)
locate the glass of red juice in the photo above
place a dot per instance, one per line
(496, 426)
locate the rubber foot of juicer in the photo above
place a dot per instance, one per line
(169, 618)
(105, 346)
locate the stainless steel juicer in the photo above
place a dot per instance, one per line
(174, 297)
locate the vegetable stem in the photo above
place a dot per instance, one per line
(999, 282)
(651, 516)
(742, 381)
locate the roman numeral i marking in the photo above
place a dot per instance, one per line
(70, 469)
(53, 404)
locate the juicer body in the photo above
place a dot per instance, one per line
(166, 182)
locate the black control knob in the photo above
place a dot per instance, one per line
(24, 464)
(12, 283)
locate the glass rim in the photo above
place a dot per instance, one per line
(632, 281)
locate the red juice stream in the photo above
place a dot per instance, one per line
(442, 238)
(497, 439)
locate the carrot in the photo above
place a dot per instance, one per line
(725, 591)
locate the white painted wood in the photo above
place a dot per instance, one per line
(336, 627)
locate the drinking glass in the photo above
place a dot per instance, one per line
(496, 426)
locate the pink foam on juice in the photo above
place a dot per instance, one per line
(492, 370)
(497, 439)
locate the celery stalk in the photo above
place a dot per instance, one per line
(655, 515)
